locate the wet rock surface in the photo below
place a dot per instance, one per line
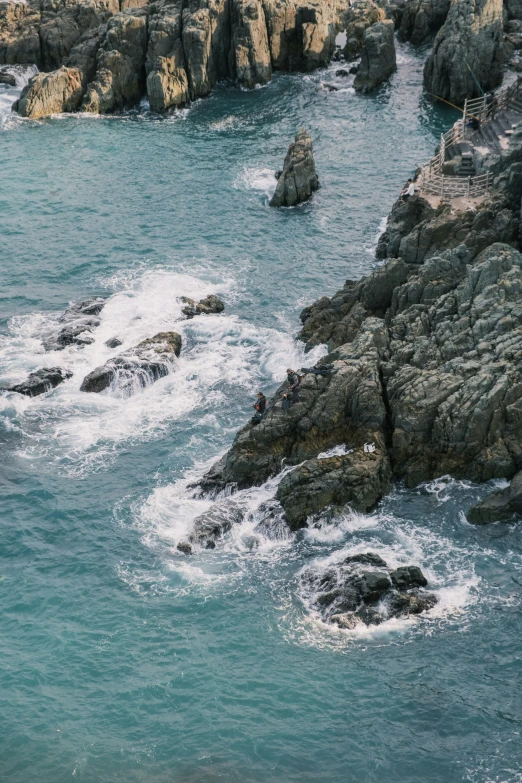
(41, 381)
(298, 179)
(7, 78)
(207, 306)
(51, 93)
(363, 590)
(78, 322)
(138, 367)
(378, 59)
(500, 506)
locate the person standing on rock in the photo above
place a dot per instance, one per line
(408, 191)
(293, 382)
(259, 407)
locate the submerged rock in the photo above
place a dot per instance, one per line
(298, 179)
(363, 590)
(41, 381)
(378, 60)
(499, 506)
(79, 321)
(113, 342)
(210, 304)
(140, 366)
(215, 522)
(7, 78)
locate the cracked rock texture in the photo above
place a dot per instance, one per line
(472, 34)
(173, 51)
(298, 179)
(378, 60)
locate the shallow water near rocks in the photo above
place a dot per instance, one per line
(124, 660)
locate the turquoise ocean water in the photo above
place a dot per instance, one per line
(121, 660)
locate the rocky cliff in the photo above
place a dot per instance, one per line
(424, 363)
(173, 51)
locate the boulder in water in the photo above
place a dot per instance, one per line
(41, 381)
(210, 304)
(378, 60)
(50, 93)
(363, 590)
(499, 506)
(79, 321)
(7, 78)
(215, 522)
(299, 179)
(147, 362)
(113, 342)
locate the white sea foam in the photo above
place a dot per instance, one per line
(257, 178)
(8, 94)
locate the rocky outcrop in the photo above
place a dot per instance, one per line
(378, 60)
(19, 32)
(207, 306)
(363, 590)
(7, 78)
(51, 93)
(415, 230)
(41, 381)
(120, 73)
(250, 49)
(467, 50)
(173, 50)
(422, 18)
(298, 179)
(138, 367)
(75, 325)
(357, 19)
(358, 479)
(500, 506)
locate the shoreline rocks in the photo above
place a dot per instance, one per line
(41, 381)
(500, 506)
(298, 179)
(149, 361)
(80, 319)
(364, 590)
(207, 306)
(378, 59)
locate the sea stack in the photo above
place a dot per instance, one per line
(378, 60)
(298, 179)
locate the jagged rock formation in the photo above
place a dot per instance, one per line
(500, 506)
(78, 321)
(472, 34)
(378, 60)
(149, 361)
(41, 381)
(298, 179)
(51, 93)
(172, 50)
(362, 589)
(207, 306)
(361, 15)
(421, 18)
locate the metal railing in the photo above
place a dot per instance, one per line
(432, 180)
(448, 187)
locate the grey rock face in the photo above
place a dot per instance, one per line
(207, 306)
(215, 523)
(422, 18)
(41, 381)
(78, 321)
(250, 49)
(51, 93)
(378, 60)
(19, 33)
(362, 589)
(500, 506)
(298, 180)
(472, 34)
(356, 20)
(138, 367)
(301, 34)
(64, 22)
(357, 479)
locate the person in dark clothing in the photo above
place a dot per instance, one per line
(293, 382)
(259, 407)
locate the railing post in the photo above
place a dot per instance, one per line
(464, 118)
(469, 186)
(442, 186)
(487, 183)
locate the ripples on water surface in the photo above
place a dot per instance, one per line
(122, 660)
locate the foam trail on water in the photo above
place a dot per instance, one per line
(223, 358)
(8, 94)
